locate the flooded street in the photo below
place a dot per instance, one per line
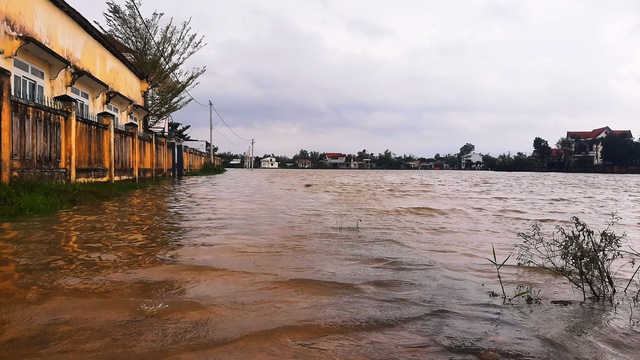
(305, 264)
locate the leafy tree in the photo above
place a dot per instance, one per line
(179, 130)
(364, 154)
(618, 149)
(467, 148)
(303, 154)
(389, 160)
(489, 162)
(158, 50)
(450, 160)
(542, 148)
(315, 157)
(563, 143)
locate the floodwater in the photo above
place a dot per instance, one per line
(305, 264)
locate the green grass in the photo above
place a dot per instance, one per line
(31, 198)
(208, 169)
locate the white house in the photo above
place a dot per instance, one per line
(335, 160)
(269, 163)
(472, 161)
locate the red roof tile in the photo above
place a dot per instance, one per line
(595, 133)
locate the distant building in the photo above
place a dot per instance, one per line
(586, 144)
(303, 163)
(269, 163)
(200, 145)
(335, 161)
(472, 161)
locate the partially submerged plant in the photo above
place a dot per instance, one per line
(527, 292)
(498, 267)
(581, 255)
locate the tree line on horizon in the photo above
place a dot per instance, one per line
(617, 150)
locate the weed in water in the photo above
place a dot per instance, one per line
(498, 267)
(527, 293)
(581, 255)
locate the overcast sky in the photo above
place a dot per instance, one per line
(415, 77)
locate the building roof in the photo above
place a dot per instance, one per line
(335, 155)
(97, 35)
(595, 133)
(557, 152)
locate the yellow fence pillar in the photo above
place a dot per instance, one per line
(153, 155)
(135, 155)
(69, 136)
(109, 153)
(5, 126)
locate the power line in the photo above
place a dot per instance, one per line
(220, 116)
(219, 133)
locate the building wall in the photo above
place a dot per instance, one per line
(44, 21)
(61, 33)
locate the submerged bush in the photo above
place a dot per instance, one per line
(581, 255)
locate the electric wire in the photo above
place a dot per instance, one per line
(227, 125)
(219, 133)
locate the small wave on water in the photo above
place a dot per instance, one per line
(417, 210)
(313, 287)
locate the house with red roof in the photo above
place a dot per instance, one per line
(303, 163)
(335, 161)
(589, 144)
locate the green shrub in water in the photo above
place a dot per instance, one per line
(583, 256)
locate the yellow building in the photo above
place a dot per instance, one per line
(52, 50)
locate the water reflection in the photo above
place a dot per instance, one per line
(64, 250)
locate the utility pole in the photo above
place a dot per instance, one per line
(252, 142)
(211, 131)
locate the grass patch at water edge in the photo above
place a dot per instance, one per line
(208, 169)
(31, 198)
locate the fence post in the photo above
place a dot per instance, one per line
(69, 138)
(165, 156)
(135, 155)
(5, 126)
(110, 151)
(153, 155)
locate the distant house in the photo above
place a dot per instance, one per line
(335, 161)
(303, 163)
(429, 165)
(587, 144)
(366, 164)
(269, 163)
(412, 164)
(472, 161)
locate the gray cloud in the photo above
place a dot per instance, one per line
(410, 76)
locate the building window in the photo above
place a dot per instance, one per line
(114, 111)
(28, 81)
(82, 97)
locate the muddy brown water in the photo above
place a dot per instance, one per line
(286, 264)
